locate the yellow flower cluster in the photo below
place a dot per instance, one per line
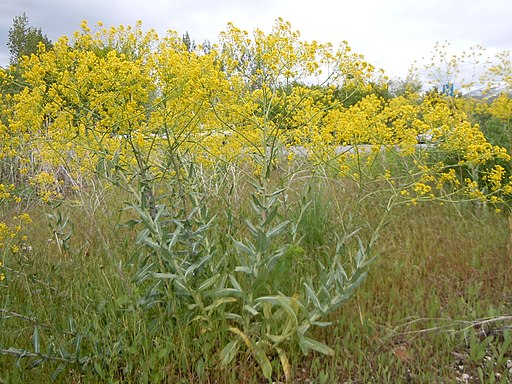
(495, 177)
(46, 186)
(11, 229)
(501, 107)
(122, 98)
(9, 233)
(6, 191)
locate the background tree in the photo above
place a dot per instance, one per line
(24, 39)
(189, 43)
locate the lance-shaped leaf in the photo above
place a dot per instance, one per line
(229, 352)
(307, 343)
(241, 247)
(208, 283)
(219, 302)
(35, 339)
(251, 227)
(162, 275)
(244, 337)
(282, 302)
(277, 230)
(285, 364)
(263, 361)
(313, 297)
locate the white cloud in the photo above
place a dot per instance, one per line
(391, 34)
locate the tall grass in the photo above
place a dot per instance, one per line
(78, 303)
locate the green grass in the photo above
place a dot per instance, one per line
(437, 272)
(418, 316)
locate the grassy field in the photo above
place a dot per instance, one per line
(434, 308)
(210, 215)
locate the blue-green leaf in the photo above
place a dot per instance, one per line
(229, 352)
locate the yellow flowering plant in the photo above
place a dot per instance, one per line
(149, 115)
(13, 229)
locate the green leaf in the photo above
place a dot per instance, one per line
(309, 343)
(264, 363)
(271, 201)
(220, 301)
(146, 217)
(71, 325)
(322, 323)
(251, 227)
(161, 210)
(271, 214)
(56, 373)
(251, 310)
(208, 283)
(361, 254)
(202, 228)
(275, 258)
(152, 244)
(143, 273)
(35, 339)
(285, 364)
(246, 270)
(233, 316)
(234, 282)
(229, 352)
(359, 278)
(303, 328)
(98, 370)
(277, 339)
(223, 292)
(141, 235)
(197, 266)
(277, 230)
(159, 275)
(174, 238)
(261, 241)
(336, 301)
(277, 192)
(256, 203)
(241, 247)
(78, 343)
(282, 302)
(180, 287)
(244, 337)
(313, 297)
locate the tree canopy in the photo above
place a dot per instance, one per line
(24, 39)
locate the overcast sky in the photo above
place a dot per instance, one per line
(390, 33)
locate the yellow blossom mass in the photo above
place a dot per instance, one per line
(125, 100)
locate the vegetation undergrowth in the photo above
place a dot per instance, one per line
(425, 311)
(179, 214)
